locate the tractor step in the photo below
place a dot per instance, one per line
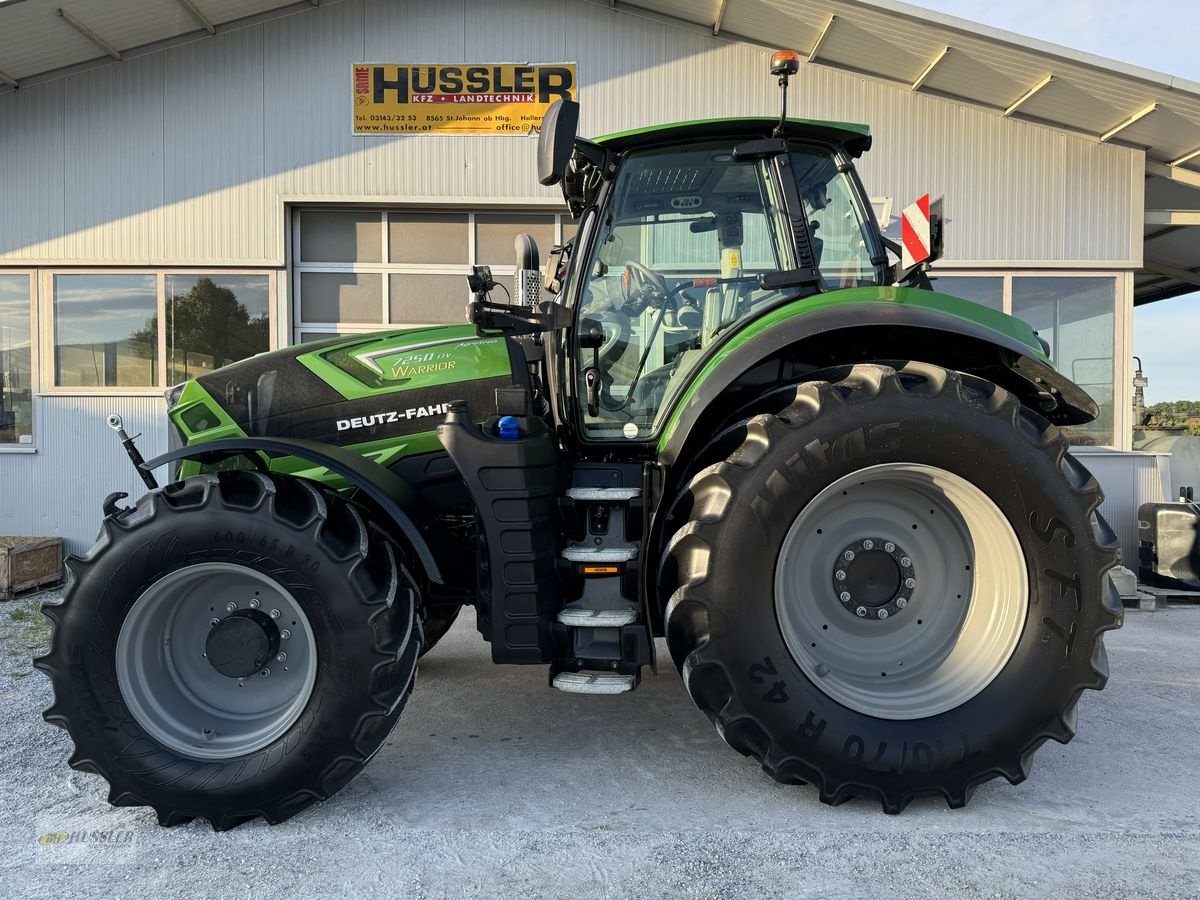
(604, 494)
(579, 617)
(594, 682)
(581, 554)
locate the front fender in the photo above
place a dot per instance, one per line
(388, 490)
(862, 324)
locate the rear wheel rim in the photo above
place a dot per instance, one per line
(934, 635)
(173, 691)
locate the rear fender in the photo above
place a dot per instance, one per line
(389, 492)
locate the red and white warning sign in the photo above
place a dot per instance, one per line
(914, 233)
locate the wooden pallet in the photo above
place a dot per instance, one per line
(1152, 598)
(29, 563)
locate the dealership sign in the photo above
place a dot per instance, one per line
(471, 98)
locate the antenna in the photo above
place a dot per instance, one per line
(784, 63)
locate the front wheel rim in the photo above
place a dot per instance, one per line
(926, 640)
(173, 691)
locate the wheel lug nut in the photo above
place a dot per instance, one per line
(910, 583)
(861, 611)
(868, 545)
(883, 614)
(213, 623)
(254, 604)
(264, 673)
(901, 603)
(281, 657)
(889, 547)
(839, 575)
(285, 634)
(230, 606)
(844, 596)
(848, 555)
(274, 614)
(905, 561)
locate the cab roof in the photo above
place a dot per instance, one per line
(855, 138)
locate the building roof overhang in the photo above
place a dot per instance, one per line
(915, 49)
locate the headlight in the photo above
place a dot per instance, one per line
(172, 395)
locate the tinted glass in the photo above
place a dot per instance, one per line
(214, 320)
(428, 238)
(105, 331)
(494, 235)
(677, 260)
(343, 236)
(341, 297)
(422, 299)
(985, 290)
(1075, 316)
(16, 369)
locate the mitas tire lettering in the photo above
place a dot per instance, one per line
(717, 582)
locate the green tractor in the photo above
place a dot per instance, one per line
(841, 497)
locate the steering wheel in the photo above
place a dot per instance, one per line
(641, 285)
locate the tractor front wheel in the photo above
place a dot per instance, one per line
(894, 586)
(237, 645)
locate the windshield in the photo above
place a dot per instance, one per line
(679, 250)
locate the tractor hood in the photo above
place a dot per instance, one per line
(351, 389)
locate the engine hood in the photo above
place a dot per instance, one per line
(352, 389)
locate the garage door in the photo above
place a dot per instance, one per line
(360, 270)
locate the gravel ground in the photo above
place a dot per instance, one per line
(495, 786)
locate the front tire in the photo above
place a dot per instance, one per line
(968, 614)
(237, 645)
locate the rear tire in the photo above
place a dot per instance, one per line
(137, 679)
(772, 650)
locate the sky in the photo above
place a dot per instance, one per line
(1158, 34)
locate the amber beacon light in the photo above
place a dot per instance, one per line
(785, 62)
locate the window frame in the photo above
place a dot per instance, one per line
(298, 266)
(34, 360)
(45, 305)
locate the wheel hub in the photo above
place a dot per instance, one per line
(241, 643)
(874, 578)
(962, 614)
(208, 673)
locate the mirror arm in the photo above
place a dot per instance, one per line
(492, 319)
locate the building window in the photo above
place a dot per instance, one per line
(1077, 314)
(986, 290)
(105, 331)
(149, 330)
(214, 320)
(16, 361)
(1076, 317)
(362, 270)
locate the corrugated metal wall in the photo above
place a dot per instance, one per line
(1128, 480)
(186, 157)
(59, 489)
(183, 156)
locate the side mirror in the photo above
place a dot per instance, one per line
(556, 141)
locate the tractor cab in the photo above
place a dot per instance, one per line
(688, 232)
(701, 227)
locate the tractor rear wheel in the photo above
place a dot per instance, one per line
(236, 645)
(918, 592)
